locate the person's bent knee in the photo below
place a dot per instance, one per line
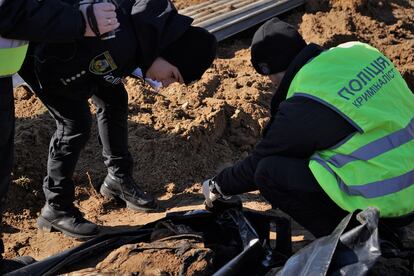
(267, 170)
(266, 178)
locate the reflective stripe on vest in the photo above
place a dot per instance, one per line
(374, 189)
(367, 152)
(374, 166)
(377, 147)
(12, 54)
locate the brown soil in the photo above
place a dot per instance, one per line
(182, 135)
(387, 25)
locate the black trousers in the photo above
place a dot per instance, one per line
(6, 141)
(288, 184)
(70, 109)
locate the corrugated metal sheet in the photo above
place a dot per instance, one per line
(225, 18)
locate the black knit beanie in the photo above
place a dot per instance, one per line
(192, 53)
(275, 44)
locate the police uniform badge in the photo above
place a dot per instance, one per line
(102, 64)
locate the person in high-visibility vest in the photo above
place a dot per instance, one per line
(22, 21)
(340, 136)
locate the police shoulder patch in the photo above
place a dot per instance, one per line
(102, 64)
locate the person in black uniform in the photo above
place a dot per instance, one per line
(152, 36)
(299, 126)
(36, 21)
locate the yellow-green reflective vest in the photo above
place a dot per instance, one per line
(12, 54)
(374, 166)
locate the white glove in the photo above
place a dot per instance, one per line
(212, 192)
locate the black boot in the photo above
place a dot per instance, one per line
(7, 265)
(70, 222)
(127, 190)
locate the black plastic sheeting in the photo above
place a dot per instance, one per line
(239, 239)
(241, 242)
(345, 252)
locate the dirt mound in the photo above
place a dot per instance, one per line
(181, 135)
(387, 25)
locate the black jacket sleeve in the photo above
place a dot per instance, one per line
(300, 127)
(157, 24)
(46, 20)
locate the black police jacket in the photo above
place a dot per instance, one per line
(48, 20)
(146, 28)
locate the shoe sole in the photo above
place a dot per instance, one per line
(109, 194)
(45, 225)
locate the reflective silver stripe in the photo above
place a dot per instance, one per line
(376, 147)
(1, 2)
(11, 43)
(374, 189)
